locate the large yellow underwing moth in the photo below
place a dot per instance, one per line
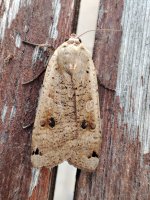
(67, 122)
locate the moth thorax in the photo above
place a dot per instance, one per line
(70, 68)
(68, 60)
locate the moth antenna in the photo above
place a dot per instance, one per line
(108, 29)
(85, 33)
(117, 30)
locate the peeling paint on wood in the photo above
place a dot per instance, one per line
(133, 83)
(3, 138)
(4, 111)
(40, 184)
(12, 112)
(38, 54)
(53, 31)
(34, 180)
(11, 10)
(18, 40)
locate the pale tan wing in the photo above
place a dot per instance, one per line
(87, 112)
(55, 122)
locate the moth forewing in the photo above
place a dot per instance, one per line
(67, 123)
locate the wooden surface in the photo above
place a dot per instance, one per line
(122, 60)
(38, 21)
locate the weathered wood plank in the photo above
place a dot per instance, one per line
(37, 21)
(122, 60)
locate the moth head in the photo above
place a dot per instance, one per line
(73, 39)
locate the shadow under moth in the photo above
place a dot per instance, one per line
(67, 122)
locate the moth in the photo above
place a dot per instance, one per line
(67, 123)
